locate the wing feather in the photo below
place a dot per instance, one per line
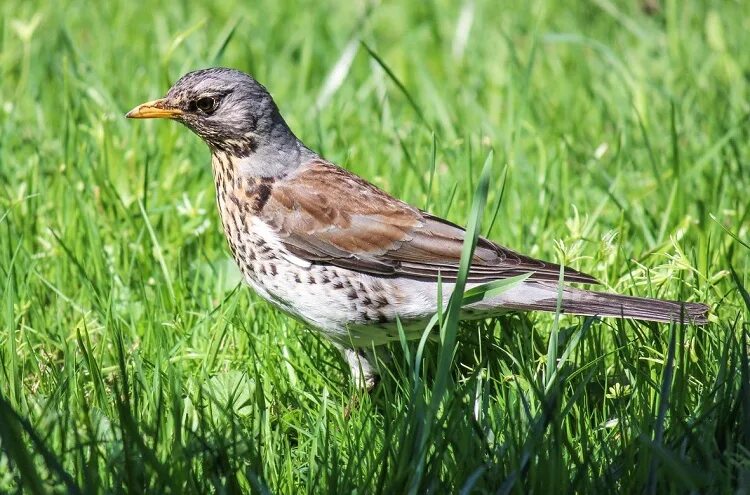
(325, 214)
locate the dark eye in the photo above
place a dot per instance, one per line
(206, 104)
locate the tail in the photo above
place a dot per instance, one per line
(588, 303)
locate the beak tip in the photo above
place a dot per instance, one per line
(134, 113)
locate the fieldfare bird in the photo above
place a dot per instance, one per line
(341, 255)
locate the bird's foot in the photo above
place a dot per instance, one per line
(354, 402)
(364, 374)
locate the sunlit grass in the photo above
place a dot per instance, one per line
(132, 359)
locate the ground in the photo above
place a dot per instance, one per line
(131, 359)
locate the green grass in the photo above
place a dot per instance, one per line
(131, 360)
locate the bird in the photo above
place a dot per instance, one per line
(343, 256)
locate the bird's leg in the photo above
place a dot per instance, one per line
(362, 364)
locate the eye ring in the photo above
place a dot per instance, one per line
(206, 104)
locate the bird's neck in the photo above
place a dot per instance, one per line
(274, 160)
(264, 162)
(273, 152)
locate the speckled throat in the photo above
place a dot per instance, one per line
(238, 197)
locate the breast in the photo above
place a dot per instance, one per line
(342, 303)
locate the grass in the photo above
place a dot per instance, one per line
(132, 360)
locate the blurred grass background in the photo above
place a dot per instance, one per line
(132, 360)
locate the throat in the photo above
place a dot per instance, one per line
(266, 149)
(236, 190)
(234, 171)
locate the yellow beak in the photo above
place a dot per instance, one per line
(157, 109)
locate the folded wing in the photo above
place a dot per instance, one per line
(325, 214)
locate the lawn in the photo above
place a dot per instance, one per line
(615, 134)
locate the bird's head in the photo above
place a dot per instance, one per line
(227, 108)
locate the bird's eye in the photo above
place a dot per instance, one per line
(206, 104)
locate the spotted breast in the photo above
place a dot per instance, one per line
(346, 305)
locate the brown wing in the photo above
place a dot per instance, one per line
(325, 214)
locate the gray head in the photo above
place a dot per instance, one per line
(232, 112)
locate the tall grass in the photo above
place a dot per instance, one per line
(133, 360)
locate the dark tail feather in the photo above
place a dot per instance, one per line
(588, 303)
